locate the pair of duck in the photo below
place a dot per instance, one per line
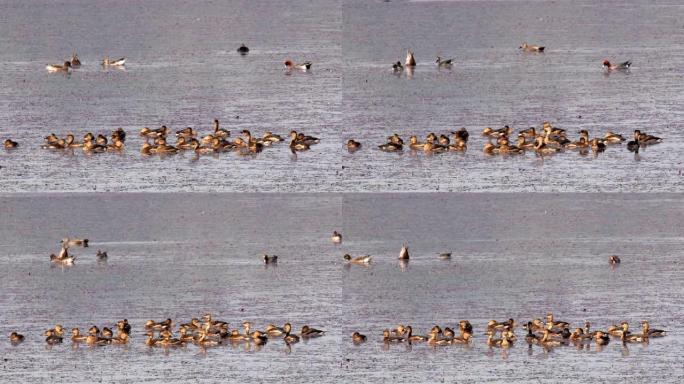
(64, 258)
(410, 62)
(75, 62)
(95, 337)
(90, 144)
(366, 259)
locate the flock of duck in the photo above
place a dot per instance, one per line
(546, 141)
(156, 141)
(501, 334)
(207, 332)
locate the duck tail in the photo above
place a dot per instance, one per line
(541, 49)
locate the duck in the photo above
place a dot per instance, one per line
(443, 63)
(522, 143)
(613, 260)
(123, 326)
(186, 132)
(121, 338)
(311, 332)
(9, 144)
(151, 324)
(445, 255)
(410, 59)
(551, 323)
(116, 145)
(489, 149)
(91, 147)
(150, 341)
(415, 144)
(154, 133)
(404, 252)
(305, 66)
(336, 237)
(168, 341)
(458, 146)
(581, 143)
(353, 145)
(611, 137)
(505, 131)
(434, 339)
(463, 338)
(397, 67)
(270, 259)
(270, 137)
(299, 136)
(16, 338)
(195, 146)
(504, 147)
(204, 341)
(242, 49)
(529, 132)
(546, 341)
(63, 260)
(57, 144)
(52, 338)
(113, 63)
(601, 338)
(531, 338)
(633, 145)
(76, 335)
(531, 48)
(652, 332)
(389, 338)
(461, 134)
(289, 338)
(66, 67)
(541, 147)
(618, 330)
(218, 131)
(644, 138)
(358, 338)
(627, 337)
(119, 134)
(75, 62)
(503, 342)
(272, 330)
(67, 242)
(597, 145)
(414, 338)
(391, 147)
(298, 146)
(607, 65)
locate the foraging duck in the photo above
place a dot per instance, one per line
(119, 134)
(305, 66)
(353, 145)
(358, 338)
(410, 59)
(461, 134)
(531, 48)
(75, 62)
(633, 145)
(9, 144)
(270, 259)
(123, 326)
(397, 67)
(66, 67)
(613, 260)
(616, 67)
(336, 237)
(311, 332)
(404, 253)
(16, 338)
(114, 63)
(52, 338)
(63, 260)
(443, 63)
(243, 50)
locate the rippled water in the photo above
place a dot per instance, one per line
(185, 254)
(182, 70)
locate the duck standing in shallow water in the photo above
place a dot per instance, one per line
(243, 50)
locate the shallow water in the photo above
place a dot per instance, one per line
(514, 255)
(182, 70)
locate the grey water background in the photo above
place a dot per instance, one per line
(182, 70)
(180, 255)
